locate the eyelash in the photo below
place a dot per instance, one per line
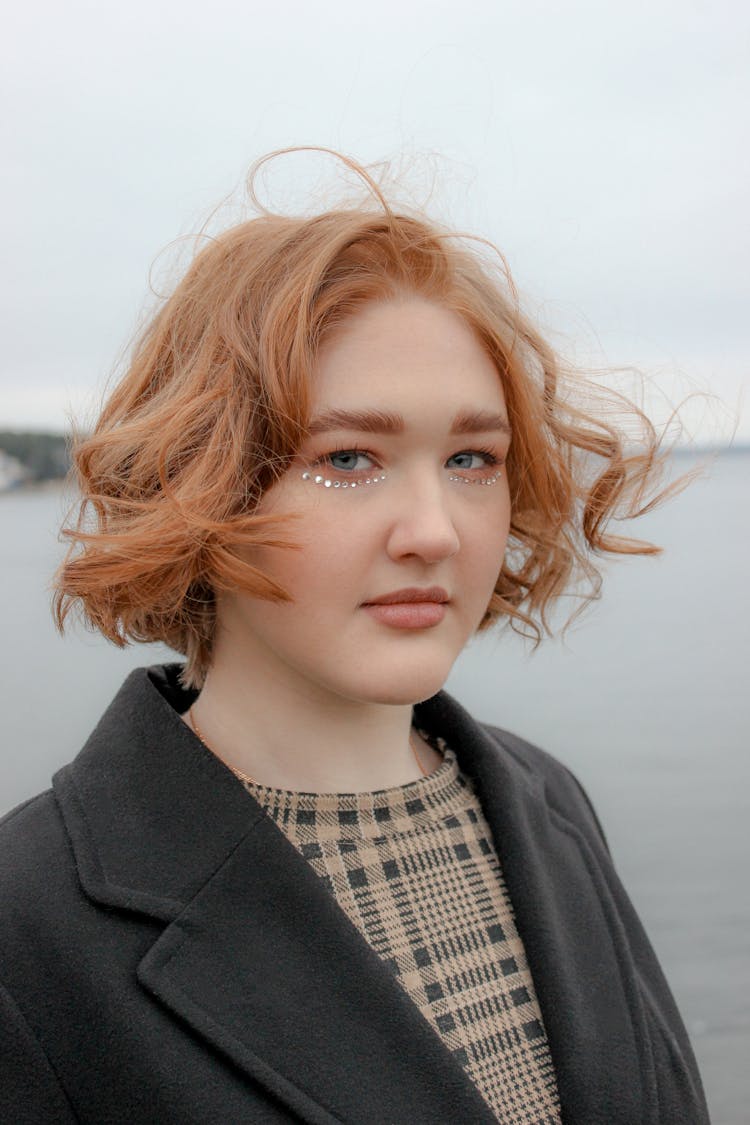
(491, 460)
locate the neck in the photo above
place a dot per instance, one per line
(284, 733)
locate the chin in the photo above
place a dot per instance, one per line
(402, 687)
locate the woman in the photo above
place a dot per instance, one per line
(291, 879)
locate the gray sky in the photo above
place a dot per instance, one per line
(604, 147)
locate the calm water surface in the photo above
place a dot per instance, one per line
(647, 700)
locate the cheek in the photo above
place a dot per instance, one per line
(486, 534)
(330, 556)
(486, 567)
(483, 561)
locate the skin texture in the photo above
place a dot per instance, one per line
(324, 685)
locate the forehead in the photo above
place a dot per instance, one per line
(410, 355)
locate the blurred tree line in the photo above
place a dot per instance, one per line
(44, 456)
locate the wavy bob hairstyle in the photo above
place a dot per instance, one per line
(215, 404)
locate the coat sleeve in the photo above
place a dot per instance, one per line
(30, 1093)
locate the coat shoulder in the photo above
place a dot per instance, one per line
(33, 844)
(38, 879)
(563, 791)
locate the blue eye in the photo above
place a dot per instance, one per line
(349, 460)
(469, 459)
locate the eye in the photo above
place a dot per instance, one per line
(348, 460)
(469, 459)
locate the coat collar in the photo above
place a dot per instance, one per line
(254, 940)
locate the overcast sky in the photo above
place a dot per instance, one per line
(603, 146)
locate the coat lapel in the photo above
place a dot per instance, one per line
(256, 956)
(267, 967)
(566, 907)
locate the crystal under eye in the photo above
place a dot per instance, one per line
(477, 480)
(326, 482)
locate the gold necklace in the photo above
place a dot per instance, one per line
(246, 777)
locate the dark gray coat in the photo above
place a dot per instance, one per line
(166, 955)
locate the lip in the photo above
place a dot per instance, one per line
(411, 595)
(412, 608)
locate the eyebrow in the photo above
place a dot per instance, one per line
(385, 422)
(480, 422)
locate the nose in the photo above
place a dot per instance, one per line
(421, 522)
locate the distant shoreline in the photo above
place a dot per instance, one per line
(28, 488)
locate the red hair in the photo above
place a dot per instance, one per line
(215, 404)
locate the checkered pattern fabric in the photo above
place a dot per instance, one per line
(415, 869)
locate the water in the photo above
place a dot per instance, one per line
(647, 701)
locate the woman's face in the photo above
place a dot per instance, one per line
(404, 391)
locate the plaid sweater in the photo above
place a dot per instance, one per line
(415, 869)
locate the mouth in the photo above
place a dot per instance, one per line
(411, 608)
(412, 595)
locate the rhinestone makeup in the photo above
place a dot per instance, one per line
(477, 480)
(316, 478)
